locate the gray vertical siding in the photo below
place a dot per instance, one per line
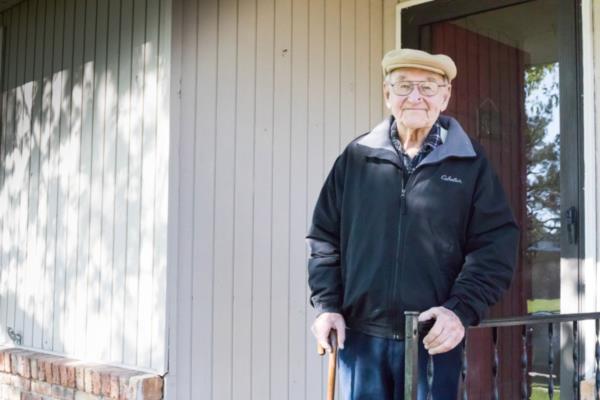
(270, 92)
(84, 178)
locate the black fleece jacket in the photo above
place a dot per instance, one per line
(382, 243)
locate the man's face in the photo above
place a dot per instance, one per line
(415, 110)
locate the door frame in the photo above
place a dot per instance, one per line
(443, 10)
(573, 28)
(2, 69)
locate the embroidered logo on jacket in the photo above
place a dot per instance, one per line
(452, 179)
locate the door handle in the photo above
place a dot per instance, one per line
(572, 224)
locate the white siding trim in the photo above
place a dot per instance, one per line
(171, 322)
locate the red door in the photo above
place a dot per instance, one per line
(489, 105)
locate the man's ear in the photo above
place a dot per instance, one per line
(386, 95)
(447, 96)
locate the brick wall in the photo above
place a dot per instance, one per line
(27, 375)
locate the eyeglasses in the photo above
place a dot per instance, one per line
(426, 88)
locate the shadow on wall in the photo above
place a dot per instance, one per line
(11, 336)
(79, 267)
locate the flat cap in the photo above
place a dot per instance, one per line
(411, 58)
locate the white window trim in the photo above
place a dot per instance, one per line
(589, 300)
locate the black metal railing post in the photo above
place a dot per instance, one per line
(411, 355)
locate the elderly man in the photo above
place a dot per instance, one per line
(411, 218)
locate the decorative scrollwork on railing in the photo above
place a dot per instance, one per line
(495, 365)
(430, 377)
(463, 372)
(525, 333)
(597, 360)
(551, 361)
(575, 360)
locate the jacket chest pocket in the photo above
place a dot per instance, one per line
(439, 197)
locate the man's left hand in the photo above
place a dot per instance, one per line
(446, 333)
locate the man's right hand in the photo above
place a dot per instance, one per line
(323, 324)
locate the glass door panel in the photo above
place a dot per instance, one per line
(512, 59)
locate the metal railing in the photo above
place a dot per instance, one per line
(412, 328)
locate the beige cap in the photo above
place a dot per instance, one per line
(411, 58)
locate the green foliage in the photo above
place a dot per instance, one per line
(542, 155)
(540, 392)
(538, 305)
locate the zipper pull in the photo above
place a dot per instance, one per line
(403, 202)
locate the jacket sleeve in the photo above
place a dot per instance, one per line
(324, 270)
(490, 251)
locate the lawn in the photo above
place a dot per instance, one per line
(537, 305)
(540, 392)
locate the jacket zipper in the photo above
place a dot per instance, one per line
(399, 249)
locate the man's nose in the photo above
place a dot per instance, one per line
(414, 94)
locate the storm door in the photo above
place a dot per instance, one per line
(517, 93)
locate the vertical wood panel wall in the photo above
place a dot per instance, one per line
(271, 92)
(84, 178)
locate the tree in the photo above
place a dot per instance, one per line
(542, 154)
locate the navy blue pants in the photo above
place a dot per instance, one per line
(372, 368)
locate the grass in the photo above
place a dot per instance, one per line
(537, 305)
(540, 392)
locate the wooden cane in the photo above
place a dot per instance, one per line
(332, 363)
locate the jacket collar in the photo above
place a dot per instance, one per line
(378, 142)
(456, 142)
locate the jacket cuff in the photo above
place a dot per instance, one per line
(323, 308)
(467, 316)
